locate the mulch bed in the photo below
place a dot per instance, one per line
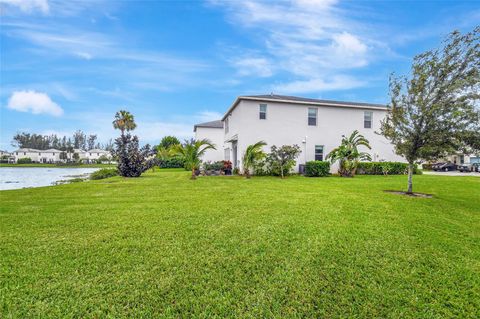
(421, 195)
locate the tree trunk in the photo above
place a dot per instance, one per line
(247, 173)
(281, 171)
(194, 176)
(410, 176)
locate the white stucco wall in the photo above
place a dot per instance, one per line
(288, 124)
(216, 136)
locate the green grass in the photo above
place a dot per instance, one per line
(164, 246)
(54, 165)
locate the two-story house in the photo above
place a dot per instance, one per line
(315, 125)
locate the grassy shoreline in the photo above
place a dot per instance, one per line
(164, 246)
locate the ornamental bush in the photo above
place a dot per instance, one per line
(25, 160)
(317, 169)
(384, 168)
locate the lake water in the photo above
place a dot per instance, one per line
(21, 177)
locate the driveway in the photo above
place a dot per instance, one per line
(452, 173)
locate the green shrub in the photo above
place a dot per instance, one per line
(25, 160)
(171, 162)
(317, 169)
(215, 166)
(104, 173)
(384, 168)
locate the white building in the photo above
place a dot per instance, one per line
(315, 125)
(212, 131)
(53, 155)
(94, 154)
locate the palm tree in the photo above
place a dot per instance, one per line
(348, 154)
(192, 151)
(252, 154)
(124, 121)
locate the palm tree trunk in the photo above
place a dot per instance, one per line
(194, 176)
(410, 176)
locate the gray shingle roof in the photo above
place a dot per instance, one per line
(212, 124)
(309, 100)
(302, 101)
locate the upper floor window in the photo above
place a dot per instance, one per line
(312, 116)
(319, 152)
(226, 125)
(367, 119)
(53, 153)
(24, 153)
(263, 112)
(39, 154)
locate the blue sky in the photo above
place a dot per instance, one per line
(68, 65)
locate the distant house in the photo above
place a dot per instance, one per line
(212, 131)
(315, 125)
(53, 155)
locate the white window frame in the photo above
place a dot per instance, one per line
(365, 121)
(316, 116)
(323, 152)
(260, 112)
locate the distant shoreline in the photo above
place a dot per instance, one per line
(59, 166)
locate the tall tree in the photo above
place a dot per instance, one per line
(91, 140)
(434, 112)
(124, 121)
(132, 159)
(191, 152)
(168, 141)
(348, 154)
(79, 139)
(252, 155)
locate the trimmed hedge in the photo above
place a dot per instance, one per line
(104, 173)
(384, 168)
(172, 162)
(25, 160)
(317, 169)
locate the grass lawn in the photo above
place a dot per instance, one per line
(164, 246)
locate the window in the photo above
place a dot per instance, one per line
(53, 154)
(367, 119)
(39, 154)
(226, 125)
(98, 154)
(263, 112)
(462, 159)
(17, 153)
(312, 116)
(319, 152)
(24, 153)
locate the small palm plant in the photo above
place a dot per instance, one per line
(192, 151)
(252, 155)
(124, 121)
(348, 155)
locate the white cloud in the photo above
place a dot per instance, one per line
(28, 6)
(34, 102)
(318, 85)
(247, 66)
(310, 40)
